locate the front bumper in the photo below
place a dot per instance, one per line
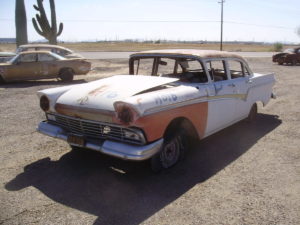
(113, 148)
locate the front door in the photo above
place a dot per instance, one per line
(23, 68)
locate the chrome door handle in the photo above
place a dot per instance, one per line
(231, 85)
(249, 81)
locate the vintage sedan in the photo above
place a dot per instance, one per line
(289, 56)
(59, 50)
(169, 97)
(42, 65)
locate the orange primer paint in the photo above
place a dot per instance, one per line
(155, 125)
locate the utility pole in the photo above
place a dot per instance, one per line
(221, 44)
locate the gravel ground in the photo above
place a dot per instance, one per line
(245, 174)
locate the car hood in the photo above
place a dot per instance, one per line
(103, 93)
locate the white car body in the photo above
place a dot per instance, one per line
(149, 106)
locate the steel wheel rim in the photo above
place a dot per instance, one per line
(170, 153)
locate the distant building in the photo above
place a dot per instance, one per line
(8, 40)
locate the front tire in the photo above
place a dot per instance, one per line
(280, 61)
(172, 151)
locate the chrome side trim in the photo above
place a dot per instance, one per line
(113, 148)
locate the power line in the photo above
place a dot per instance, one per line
(165, 21)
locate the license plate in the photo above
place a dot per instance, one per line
(76, 140)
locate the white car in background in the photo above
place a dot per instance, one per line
(168, 97)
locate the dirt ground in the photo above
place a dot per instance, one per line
(245, 174)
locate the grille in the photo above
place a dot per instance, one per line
(93, 129)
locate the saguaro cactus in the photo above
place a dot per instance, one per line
(44, 29)
(21, 23)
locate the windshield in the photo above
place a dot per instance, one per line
(12, 59)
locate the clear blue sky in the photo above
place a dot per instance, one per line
(245, 20)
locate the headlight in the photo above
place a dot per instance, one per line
(44, 103)
(125, 112)
(51, 117)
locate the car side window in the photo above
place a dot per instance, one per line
(216, 70)
(27, 58)
(237, 69)
(45, 58)
(143, 66)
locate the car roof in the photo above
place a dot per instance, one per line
(43, 46)
(35, 52)
(188, 52)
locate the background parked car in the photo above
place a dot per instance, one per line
(289, 56)
(59, 50)
(42, 65)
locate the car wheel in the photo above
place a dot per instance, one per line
(171, 152)
(66, 75)
(280, 61)
(253, 113)
(2, 81)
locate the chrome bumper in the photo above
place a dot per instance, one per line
(113, 148)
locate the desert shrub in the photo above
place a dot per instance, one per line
(277, 47)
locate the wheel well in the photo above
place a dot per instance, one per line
(181, 123)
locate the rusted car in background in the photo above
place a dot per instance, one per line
(168, 98)
(42, 65)
(59, 50)
(289, 56)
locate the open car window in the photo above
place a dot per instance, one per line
(237, 69)
(187, 70)
(216, 70)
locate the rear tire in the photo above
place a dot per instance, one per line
(2, 81)
(252, 114)
(66, 75)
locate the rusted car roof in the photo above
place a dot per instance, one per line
(189, 52)
(35, 52)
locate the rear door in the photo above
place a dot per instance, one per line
(221, 105)
(241, 79)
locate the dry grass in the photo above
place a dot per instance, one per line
(126, 46)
